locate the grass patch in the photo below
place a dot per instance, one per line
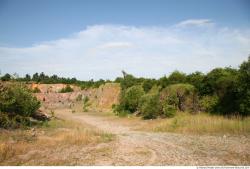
(59, 134)
(203, 123)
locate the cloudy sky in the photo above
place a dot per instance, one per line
(98, 39)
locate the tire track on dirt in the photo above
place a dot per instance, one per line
(146, 148)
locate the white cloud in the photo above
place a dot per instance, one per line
(102, 51)
(115, 45)
(195, 22)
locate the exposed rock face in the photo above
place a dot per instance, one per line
(101, 98)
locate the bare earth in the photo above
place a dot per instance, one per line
(133, 147)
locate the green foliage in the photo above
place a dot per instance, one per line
(148, 84)
(182, 96)
(150, 106)
(36, 90)
(16, 105)
(128, 81)
(17, 98)
(244, 88)
(177, 77)
(119, 110)
(6, 77)
(66, 89)
(79, 97)
(169, 110)
(86, 103)
(208, 103)
(131, 98)
(196, 79)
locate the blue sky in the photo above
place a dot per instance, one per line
(97, 39)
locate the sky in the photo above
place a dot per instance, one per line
(93, 39)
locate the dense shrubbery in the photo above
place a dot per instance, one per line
(182, 96)
(16, 105)
(223, 91)
(150, 106)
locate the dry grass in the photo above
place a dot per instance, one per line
(201, 124)
(56, 134)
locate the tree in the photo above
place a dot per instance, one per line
(27, 77)
(177, 77)
(196, 79)
(148, 84)
(244, 88)
(35, 77)
(17, 98)
(6, 77)
(150, 106)
(182, 96)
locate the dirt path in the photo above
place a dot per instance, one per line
(145, 148)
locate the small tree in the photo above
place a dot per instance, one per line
(132, 97)
(66, 89)
(182, 96)
(150, 106)
(86, 104)
(6, 77)
(16, 104)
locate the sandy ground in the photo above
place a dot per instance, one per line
(133, 147)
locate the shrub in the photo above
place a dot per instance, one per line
(16, 105)
(79, 97)
(169, 110)
(6, 77)
(17, 98)
(182, 96)
(36, 90)
(131, 98)
(86, 104)
(66, 89)
(244, 88)
(150, 106)
(208, 103)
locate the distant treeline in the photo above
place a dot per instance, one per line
(54, 79)
(222, 90)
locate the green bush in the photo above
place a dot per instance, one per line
(16, 104)
(86, 104)
(244, 88)
(169, 110)
(150, 106)
(182, 96)
(17, 98)
(208, 103)
(131, 98)
(66, 89)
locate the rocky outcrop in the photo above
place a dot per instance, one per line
(101, 98)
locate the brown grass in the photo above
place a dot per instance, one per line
(55, 134)
(201, 124)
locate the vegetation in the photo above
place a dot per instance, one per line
(66, 89)
(36, 90)
(86, 103)
(224, 91)
(16, 105)
(150, 106)
(54, 79)
(202, 123)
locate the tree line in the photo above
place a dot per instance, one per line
(224, 91)
(54, 79)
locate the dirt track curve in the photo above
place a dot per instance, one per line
(132, 147)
